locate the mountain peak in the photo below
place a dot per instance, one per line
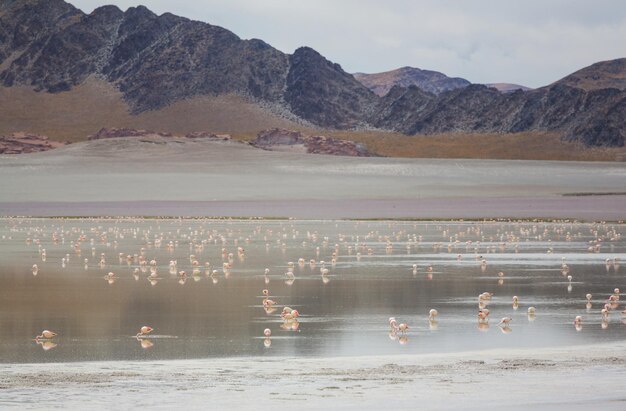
(140, 11)
(604, 74)
(428, 80)
(107, 13)
(320, 91)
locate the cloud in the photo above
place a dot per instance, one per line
(531, 42)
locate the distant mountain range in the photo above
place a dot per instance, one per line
(428, 80)
(507, 87)
(156, 62)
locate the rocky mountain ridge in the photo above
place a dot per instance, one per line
(428, 80)
(600, 75)
(156, 61)
(593, 117)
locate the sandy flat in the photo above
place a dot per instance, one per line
(575, 378)
(174, 177)
(588, 208)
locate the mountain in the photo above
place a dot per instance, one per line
(321, 92)
(155, 61)
(63, 71)
(507, 87)
(593, 117)
(431, 81)
(604, 74)
(428, 80)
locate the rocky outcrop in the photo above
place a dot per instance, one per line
(131, 132)
(427, 80)
(278, 136)
(208, 135)
(281, 139)
(21, 143)
(124, 132)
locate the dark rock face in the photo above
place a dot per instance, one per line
(276, 138)
(154, 60)
(428, 80)
(157, 60)
(594, 117)
(401, 107)
(323, 93)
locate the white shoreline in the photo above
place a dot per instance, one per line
(567, 378)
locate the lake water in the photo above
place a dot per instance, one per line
(342, 313)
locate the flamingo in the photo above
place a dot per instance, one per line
(267, 303)
(605, 313)
(432, 314)
(505, 321)
(483, 315)
(46, 335)
(289, 315)
(144, 331)
(485, 296)
(393, 324)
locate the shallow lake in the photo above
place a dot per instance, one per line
(218, 311)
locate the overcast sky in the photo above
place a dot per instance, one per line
(530, 42)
